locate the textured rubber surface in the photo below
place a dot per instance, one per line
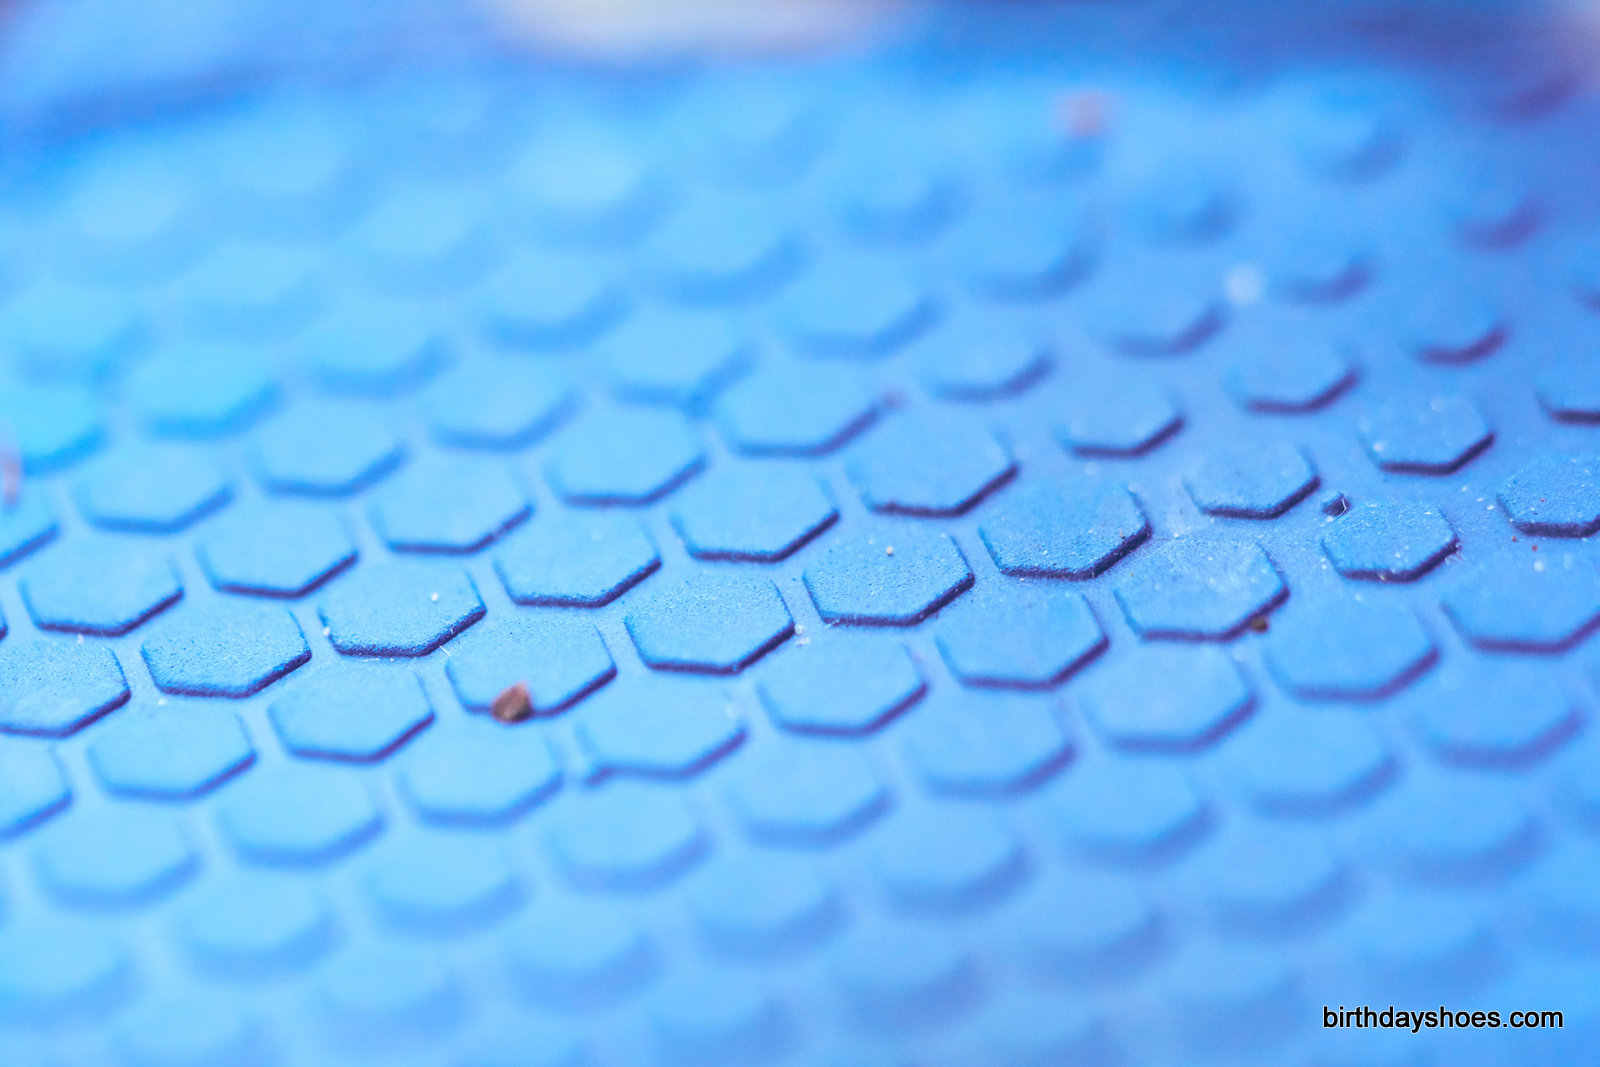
(989, 592)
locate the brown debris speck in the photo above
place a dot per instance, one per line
(10, 470)
(514, 703)
(1259, 624)
(1085, 112)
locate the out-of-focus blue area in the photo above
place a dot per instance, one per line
(1067, 534)
(68, 61)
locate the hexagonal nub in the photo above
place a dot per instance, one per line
(1195, 588)
(839, 683)
(1073, 529)
(99, 586)
(712, 623)
(1439, 436)
(1388, 541)
(357, 712)
(399, 609)
(571, 558)
(230, 649)
(279, 549)
(1251, 482)
(1135, 704)
(52, 688)
(1554, 496)
(1016, 637)
(925, 465)
(886, 576)
(756, 513)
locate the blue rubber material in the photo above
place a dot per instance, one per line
(1017, 557)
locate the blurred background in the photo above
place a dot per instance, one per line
(65, 61)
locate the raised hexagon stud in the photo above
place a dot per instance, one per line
(558, 658)
(371, 347)
(1508, 716)
(297, 816)
(1418, 831)
(1197, 588)
(575, 559)
(1180, 207)
(579, 954)
(1439, 436)
(1347, 647)
(200, 391)
(1295, 764)
(839, 684)
(712, 623)
(1117, 416)
(762, 906)
(440, 883)
(919, 464)
(711, 1014)
(752, 513)
(1447, 326)
(100, 587)
(1018, 637)
(55, 426)
(255, 925)
(788, 409)
(544, 302)
(1077, 529)
(115, 857)
(861, 306)
(1126, 811)
(497, 404)
(325, 449)
(357, 712)
(625, 837)
(62, 973)
(897, 203)
(720, 251)
(1251, 482)
(866, 580)
(55, 688)
(26, 525)
(657, 727)
(675, 357)
(479, 775)
(388, 990)
(985, 744)
(902, 977)
(624, 456)
(277, 549)
(151, 489)
(982, 358)
(32, 787)
(1568, 396)
(1388, 541)
(399, 609)
(1024, 248)
(224, 649)
(169, 754)
(1133, 703)
(448, 506)
(1160, 317)
(242, 293)
(1271, 381)
(416, 240)
(804, 795)
(1526, 603)
(945, 860)
(1554, 496)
